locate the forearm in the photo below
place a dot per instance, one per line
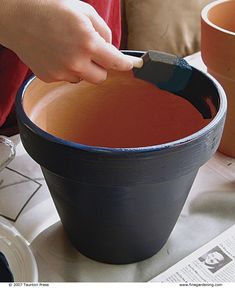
(8, 17)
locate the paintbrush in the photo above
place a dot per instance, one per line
(173, 74)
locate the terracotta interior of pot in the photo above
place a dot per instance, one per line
(222, 15)
(122, 112)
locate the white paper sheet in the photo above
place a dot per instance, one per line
(18, 184)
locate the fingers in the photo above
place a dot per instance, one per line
(93, 63)
(93, 67)
(101, 27)
(109, 57)
(93, 73)
(136, 61)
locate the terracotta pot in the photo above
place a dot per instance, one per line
(218, 54)
(119, 158)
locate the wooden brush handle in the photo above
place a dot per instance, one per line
(137, 61)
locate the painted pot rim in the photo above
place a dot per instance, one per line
(130, 150)
(204, 16)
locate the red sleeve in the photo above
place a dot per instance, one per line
(13, 72)
(110, 11)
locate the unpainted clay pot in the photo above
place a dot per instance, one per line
(218, 54)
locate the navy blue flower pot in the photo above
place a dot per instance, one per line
(119, 196)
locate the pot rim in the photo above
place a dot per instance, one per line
(204, 16)
(128, 150)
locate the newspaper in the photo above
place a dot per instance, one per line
(213, 262)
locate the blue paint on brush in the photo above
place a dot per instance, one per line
(179, 77)
(173, 74)
(166, 71)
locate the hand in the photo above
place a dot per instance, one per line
(60, 40)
